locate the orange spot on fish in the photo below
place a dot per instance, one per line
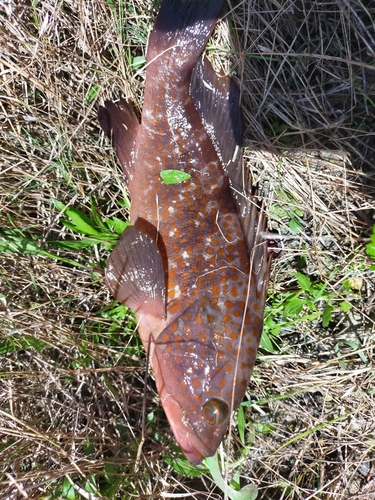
(195, 268)
(173, 327)
(211, 318)
(196, 383)
(243, 261)
(199, 320)
(174, 308)
(233, 335)
(203, 336)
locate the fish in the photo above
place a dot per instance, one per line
(194, 262)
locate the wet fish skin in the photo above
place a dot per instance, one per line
(193, 264)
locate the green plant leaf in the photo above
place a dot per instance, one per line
(182, 466)
(96, 217)
(11, 242)
(91, 94)
(263, 428)
(293, 307)
(80, 222)
(295, 226)
(117, 225)
(68, 491)
(248, 492)
(345, 306)
(174, 176)
(355, 346)
(75, 244)
(303, 281)
(138, 62)
(327, 315)
(370, 247)
(241, 423)
(266, 342)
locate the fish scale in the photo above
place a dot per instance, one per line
(192, 264)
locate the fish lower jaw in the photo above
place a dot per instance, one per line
(193, 448)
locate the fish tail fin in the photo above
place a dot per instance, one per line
(181, 31)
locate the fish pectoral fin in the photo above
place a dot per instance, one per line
(135, 273)
(120, 124)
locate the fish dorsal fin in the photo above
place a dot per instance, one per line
(120, 124)
(135, 273)
(217, 101)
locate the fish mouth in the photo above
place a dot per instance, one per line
(192, 446)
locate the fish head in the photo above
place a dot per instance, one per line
(201, 377)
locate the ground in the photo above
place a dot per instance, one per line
(72, 370)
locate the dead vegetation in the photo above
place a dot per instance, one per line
(71, 372)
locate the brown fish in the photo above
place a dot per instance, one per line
(193, 263)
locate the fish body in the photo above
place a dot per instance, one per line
(192, 264)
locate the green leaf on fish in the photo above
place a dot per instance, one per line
(174, 176)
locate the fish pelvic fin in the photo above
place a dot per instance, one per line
(120, 125)
(135, 273)
(181, 31)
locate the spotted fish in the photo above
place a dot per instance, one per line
(193, 263)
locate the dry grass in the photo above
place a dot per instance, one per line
(71, 380)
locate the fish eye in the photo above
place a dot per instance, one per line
(215, 411)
